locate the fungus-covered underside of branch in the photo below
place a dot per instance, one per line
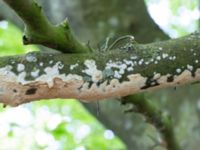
(99, 75)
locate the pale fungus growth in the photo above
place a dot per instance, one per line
(117, 74)
(141, 61)
(72, 67)
(128, 62)
(164, 55)
(174, 57)
(20, 67)
(158, 58)
(60, 65)
(189, 67)
(35, 73)
(41, 64)
(178, 70)
(51, 62)
(130, 69)
(92, 70)
(31, 58)
(134, 57)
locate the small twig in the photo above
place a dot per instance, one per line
(38, 30)
(130, 37)
(98, 108)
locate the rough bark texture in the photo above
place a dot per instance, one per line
(94, 76)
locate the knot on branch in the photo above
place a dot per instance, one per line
(25, 40)
(65, 24)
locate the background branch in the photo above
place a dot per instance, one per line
(38, 30)
(162, 122)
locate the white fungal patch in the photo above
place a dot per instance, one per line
(174, 57)
(117, 75)
(60, 65)
(21, 78)
(6, 72)
(141, 61)
(158, 58)
(31, 58)
(35, 73)
(92, 70)
(164, 55)
(72, 67)
(196, 61)
(50, 74)
(134, 63)
(121, 71)
(128, 62)
(121, 67)
(160, 48)
(178, 70)
(194, 54)
(41, 64)
(130, 69)
(20, 67)
(134, 57)
(51, 62)
(73, 86)
(189, 67)
(48, 77)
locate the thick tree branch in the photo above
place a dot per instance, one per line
(38, 30)
(91, 76)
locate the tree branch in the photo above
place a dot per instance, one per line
(38, 30)
(89, 76)
(156, 117)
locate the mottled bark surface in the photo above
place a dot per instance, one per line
(95, 76)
